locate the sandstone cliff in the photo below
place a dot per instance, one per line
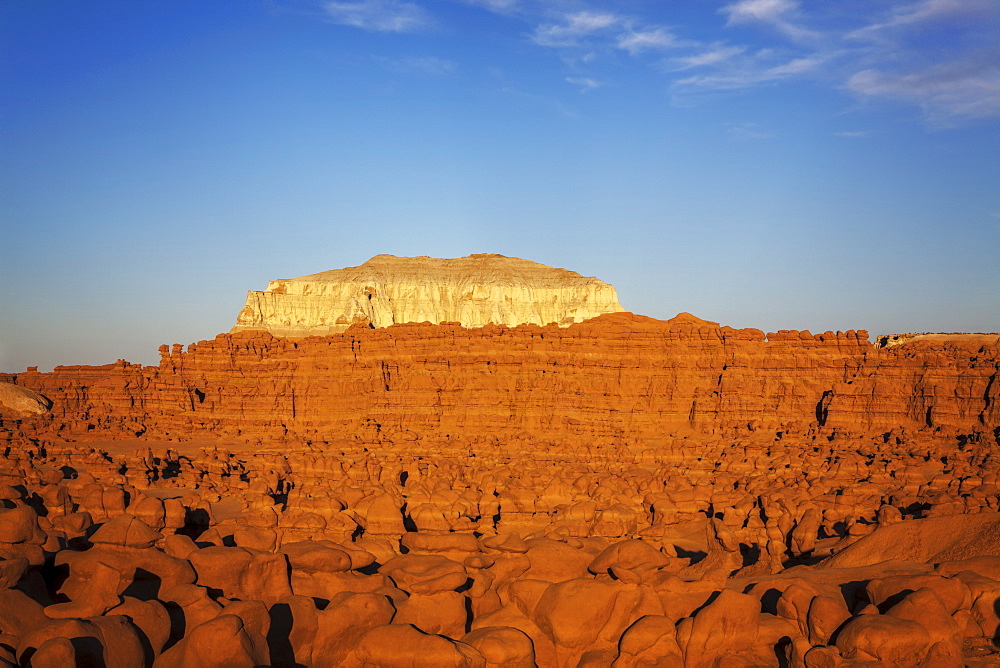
(386, 290)
(615, 378)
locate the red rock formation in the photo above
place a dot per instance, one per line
(621, 492)
(618, 377)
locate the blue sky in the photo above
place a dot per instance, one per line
(762, 163)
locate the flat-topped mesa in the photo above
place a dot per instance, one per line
(475, 290)
(890, 340)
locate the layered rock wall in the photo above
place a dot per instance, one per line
(616, 378)
(387, 290)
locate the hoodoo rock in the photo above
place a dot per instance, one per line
(474, 291)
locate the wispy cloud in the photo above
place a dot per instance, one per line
(909, 14)
(852, 134)
(542, 100)
(379, 15)
(586, 84)
(713, 56)
(646, 40)
(751, 71)
(420, 65)
(771, 11)
(498, 6)
(747, 131)
(945, 92)
(941, 56)
(778, 13)
(938, 55)
(573, 28)
(798, 66)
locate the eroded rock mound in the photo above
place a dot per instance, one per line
(475, 290)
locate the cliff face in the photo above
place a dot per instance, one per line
(616, 378)
(386, 290)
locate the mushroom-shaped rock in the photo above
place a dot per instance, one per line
(11, 571)
(150, 617)
(87, 634)
(826, 615)
(146, 571)
(323, 568)
(425, 574)
(434, 605)
(99, 641)
(403, 646)
(150, 510)
(20, 525)
(586, 614)
(257, 538)
(443, 612)
(342, 623)
(383, 515)
(312, 557)
(650, 641)
(723, 554)
(824, 656)
(292, 631)
(256, 623)
(126, 531)
(179, 546)
(56, 653)
(21, 536)
(97, 591)
(726, 626)
(121, 639)
(886, 639)
(887, 591)
(925, 607)
(554, 561)
(360, 557)
(635, 555)
(504, 542)
(239, 573)
(447, 544)
(19, 613)
(793, 604)
(192, 603)
(502, 646)
(222, 641)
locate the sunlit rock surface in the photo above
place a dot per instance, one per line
(386, 290)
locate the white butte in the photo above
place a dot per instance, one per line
(386, 290)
